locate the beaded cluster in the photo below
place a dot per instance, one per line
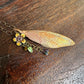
(20, 40)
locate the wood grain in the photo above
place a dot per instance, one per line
(62, 16)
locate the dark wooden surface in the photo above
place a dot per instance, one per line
(61, 66)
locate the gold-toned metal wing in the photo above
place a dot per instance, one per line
(48, 39)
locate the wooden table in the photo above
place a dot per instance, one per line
(61, 66)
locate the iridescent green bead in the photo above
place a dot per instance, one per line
(30, 49)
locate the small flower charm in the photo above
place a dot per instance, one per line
(19, 39)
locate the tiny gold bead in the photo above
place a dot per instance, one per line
(18, 43)
(23, 35)
(14, 40)
(23, 41)
(17, 34)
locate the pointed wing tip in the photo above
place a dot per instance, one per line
(72, 43)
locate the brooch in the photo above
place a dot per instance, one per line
(47, 39)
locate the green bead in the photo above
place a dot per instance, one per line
(30, 49)
(45, 51)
